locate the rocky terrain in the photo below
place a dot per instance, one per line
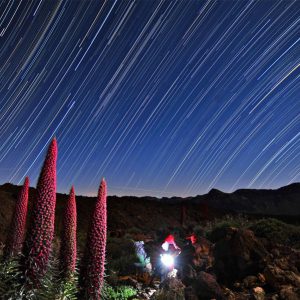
(236, 256)
(238, 265)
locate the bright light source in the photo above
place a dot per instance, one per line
(167, 260)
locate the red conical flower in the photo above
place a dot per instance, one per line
(41, 227)
(68, 239)
(16, 232)
(93, 270)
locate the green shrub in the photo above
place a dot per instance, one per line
(277, 231)
(216, 227)
(118, 293)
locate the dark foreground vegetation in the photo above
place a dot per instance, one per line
(233, 258)
(236, 256)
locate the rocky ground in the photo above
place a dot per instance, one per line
(235, 264)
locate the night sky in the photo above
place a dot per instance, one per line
(161, 98)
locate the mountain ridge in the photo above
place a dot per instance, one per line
(152, 214)
(284, 200)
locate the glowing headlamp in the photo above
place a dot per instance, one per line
(167, 260)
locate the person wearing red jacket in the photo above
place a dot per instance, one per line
(169, 252)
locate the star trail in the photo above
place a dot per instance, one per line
(161, 97)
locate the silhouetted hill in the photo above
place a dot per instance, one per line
(282, 201)
(150, 214)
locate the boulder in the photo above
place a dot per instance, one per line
(277, 277)
(188, 275)
(206, 287)
(189, 293)
(170, 289)
(199, 254)
(238, 254)
(229, 295)
(281, 270)
(203, 254)
(289, 293)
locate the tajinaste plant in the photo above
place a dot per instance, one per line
(92, 273)
(16, 233)
(40, 233)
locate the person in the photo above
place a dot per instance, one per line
(185, 260)
(169, 252)
(191, 239)
(144, 260)
(144, 266)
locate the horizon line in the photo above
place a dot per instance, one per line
(174, 196)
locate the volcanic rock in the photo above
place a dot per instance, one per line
(277, 277)
(250, 281)
(238, 253)
(206, 287)
(171, 288)
(189, 293)
(188, 275)
(290, 293)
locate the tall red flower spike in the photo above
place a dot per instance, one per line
(16, 232)
(68, 238)
(39, 237)
(93, 270)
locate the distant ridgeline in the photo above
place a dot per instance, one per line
(282, 201)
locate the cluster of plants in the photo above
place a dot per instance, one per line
(277, 231)
(29, 269)
(118, 293)
(269, 228)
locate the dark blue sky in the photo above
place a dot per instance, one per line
(160, 97)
